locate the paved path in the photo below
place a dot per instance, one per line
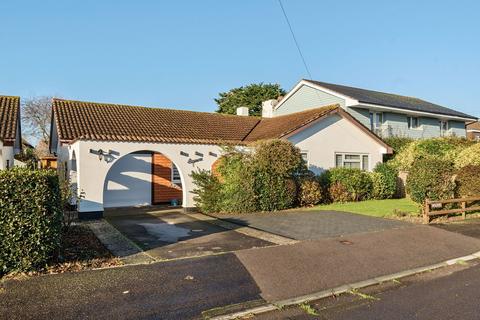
(306, 225)
(310, 266)
(172, 234)
(154, 291)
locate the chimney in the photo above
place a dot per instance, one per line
(267, 108)
(242, 111)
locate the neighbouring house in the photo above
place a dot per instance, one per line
(473, 130)
(119, 155)
(10, 130)
(384, 113)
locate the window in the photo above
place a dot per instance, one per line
(376, 120)
(304, 155)
(443, 126)
(412, 122)
(175, 175)
(352, 160)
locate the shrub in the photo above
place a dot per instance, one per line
(446, 148)
(207, 191)
(30, 218)
(468, 181)
(398, 143)
(276, 164)
(468, 156)
(310, 191)
(237, 192)
(355, 181)
(384, 179)
(430, 178)
(339, 193)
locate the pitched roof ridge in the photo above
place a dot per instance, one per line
(153, 108)
(358, 88)
(330, 106)
(8, 96)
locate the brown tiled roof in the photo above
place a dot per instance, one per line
(99, 121)
(9, 117)
(473, 126)
(76, 120)
(280, 126)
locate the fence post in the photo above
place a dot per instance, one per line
(464, 213)
(426, 210)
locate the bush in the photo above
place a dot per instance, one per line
(310, 191)
(398, 143)
(468, 156)
(384, 179)
(30, 218)
(339, 193)
(237, 192)
(207, 191)
(430, 178)
(277, 165)
(468, 181)
(446, 148)
(356, 182)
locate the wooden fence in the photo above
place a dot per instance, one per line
(465, 203)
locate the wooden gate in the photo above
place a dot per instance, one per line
(164, 187)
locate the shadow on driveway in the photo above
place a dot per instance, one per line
(172, 234)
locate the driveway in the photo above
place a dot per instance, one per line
(308, 225)
(171, 234)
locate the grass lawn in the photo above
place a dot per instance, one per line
(376, 208)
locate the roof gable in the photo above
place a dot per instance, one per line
(9, 118)
(390, 100)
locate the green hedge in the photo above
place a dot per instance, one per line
(384, 179)
(468, 181)
(431, 178)
(346, 184)
(30, 218)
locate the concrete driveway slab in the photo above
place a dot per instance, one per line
(172, 234)
(306, 225)
(311, 266)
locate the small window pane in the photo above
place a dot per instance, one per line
(365, 162)
(175, 174)
(338, 160)
(353, 165)
(352, 157)
(304, 156)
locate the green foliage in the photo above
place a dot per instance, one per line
(264, 179)
(30, 218)
(310, 191)
(357, 184)
(384, 179)
(237, 193)
(398, 143)
(250, 96)
(468, 156)
(446, 148)
(430, 178)
(468, 181)
(207, 190)
(28, 157)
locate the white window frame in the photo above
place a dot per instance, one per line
(442, 130)
(374, 116)
(410, 123)
(360, 161)
(173, 179)
(307, 158)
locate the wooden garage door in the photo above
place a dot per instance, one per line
(163, 188)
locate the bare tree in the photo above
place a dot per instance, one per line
(36, 117)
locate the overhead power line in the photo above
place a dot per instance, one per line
(295, 39)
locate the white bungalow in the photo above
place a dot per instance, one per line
(10, 130)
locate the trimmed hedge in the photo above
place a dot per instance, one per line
(431, 178)
(468, 156)
(30, 218)
(468, 181)
(348, 184)
(310, 191)
(384, 179)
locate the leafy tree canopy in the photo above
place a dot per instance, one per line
(250, 96)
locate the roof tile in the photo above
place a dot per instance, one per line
(9, 117)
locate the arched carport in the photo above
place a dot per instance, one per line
(142, 178)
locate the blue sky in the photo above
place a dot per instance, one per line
(181, 54)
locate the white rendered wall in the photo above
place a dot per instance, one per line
(335, 134)
(91, 172)
(6, 154)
